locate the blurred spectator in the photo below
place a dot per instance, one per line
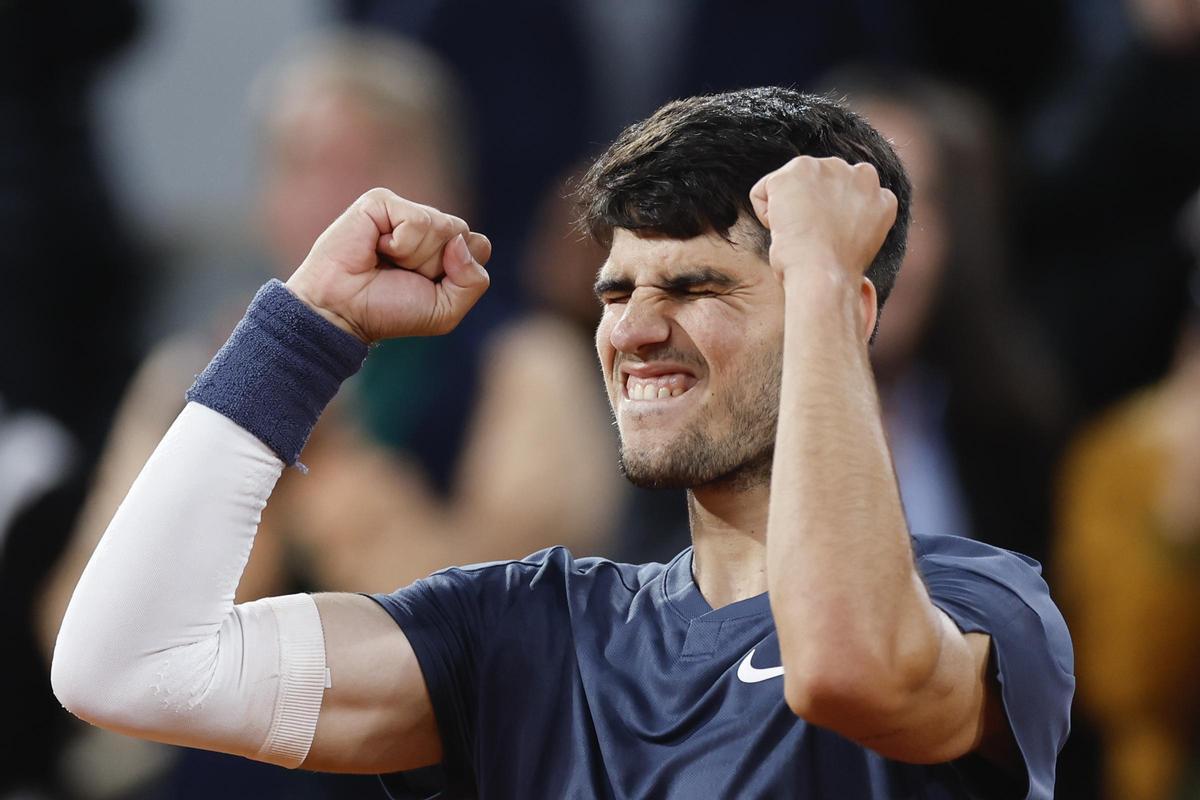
(972, 405)
(41, 485)
(67, 309)
(1109, 162)
(66, 323)
(1128, 575)
(521, 463)
(1002, 52)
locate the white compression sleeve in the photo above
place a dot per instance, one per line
(152, 644)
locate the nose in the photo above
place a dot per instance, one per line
(642, 324)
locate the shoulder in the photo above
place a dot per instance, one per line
(941, 555)
(990, 589)
(553, 569)
(972, 555)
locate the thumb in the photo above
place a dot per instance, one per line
(464, 283)
(480, 246)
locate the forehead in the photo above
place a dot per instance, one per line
(644, 258)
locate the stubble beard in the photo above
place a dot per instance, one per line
(738, 457)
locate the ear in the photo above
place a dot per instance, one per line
(869, 308)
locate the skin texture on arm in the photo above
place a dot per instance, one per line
(376, 715)
(866, 652)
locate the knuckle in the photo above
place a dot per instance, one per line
(867, 173)
(445, 224)
(800, 164)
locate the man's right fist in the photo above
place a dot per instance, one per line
(388, 267)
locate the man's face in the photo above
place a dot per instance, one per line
(690, 344)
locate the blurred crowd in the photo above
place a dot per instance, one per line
(1038, 362)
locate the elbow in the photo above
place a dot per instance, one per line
(78, 691)
(85, 679)
(841, 702)
(853, 695)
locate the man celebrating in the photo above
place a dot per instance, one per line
(806, 645)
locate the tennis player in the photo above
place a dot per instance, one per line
(806, 646)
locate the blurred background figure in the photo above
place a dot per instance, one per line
(1108, 160)
(1128, 574)
(972, 403)
(489, 443)
(72, 285)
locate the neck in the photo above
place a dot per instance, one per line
(729, 541)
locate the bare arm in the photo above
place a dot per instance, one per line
(376, 715)
(867, 654)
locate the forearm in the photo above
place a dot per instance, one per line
(149, 406)
(152, 643)
(852, 615)
(152, 623)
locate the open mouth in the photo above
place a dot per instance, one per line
(644, 383)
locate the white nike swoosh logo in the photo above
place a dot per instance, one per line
(748, 673)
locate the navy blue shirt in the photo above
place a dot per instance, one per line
(558, 677)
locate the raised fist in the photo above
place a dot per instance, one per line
(825, 208)
(388, 267)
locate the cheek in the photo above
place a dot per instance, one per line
(717, 333)
(736, 346)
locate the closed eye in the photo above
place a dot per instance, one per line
(693, 284)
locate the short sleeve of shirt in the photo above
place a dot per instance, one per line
(446, 618)
(994, 591)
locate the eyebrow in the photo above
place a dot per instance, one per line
(678, 282)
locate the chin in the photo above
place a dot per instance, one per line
(654, 479)
(692, 468)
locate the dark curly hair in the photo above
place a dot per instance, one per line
(688, 169)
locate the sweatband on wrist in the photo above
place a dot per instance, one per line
(280, 368)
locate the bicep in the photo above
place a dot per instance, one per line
(376, 715)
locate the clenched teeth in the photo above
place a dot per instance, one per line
(658, 387)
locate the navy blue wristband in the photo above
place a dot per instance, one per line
(280, 368)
